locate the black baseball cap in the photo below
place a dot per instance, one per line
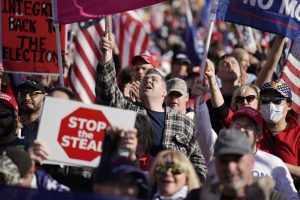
(31, 84)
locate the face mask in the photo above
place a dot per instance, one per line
(271, 113)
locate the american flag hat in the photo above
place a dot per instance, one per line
(278, 86)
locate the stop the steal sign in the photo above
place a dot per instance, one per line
(74, 131)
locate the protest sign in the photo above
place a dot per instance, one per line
(276, 16)
(74, 131)
(29, 43)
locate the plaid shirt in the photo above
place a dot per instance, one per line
(179, 129)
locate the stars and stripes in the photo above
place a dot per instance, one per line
(291, 73)
(86, 56)
(132, 37)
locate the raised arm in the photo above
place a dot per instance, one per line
(107, 90)
(216, 96)
(205, 135)
(268, 69)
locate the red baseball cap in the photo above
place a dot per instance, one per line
(152, 58)
(9, 101)
(249, 112)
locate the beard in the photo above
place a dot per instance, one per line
(26, 109)
(232, 185)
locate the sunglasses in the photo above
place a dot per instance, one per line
(275, 100)
(4, 114)
(174, 169)
(249, 98)
(31, 94)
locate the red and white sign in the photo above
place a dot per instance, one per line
(74, 131)
(29, 42)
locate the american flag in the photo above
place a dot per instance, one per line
(86, 56)
(132, 37)
(291, 73)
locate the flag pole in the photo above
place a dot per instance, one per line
(213, 13)
(58, 46)
(108, 25)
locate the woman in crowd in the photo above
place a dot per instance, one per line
(172, 176)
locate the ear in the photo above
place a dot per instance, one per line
(290, 104)
(187, 97)
(46, 94)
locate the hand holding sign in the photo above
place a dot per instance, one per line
(74, 131)
(38, 151)
(128, 139)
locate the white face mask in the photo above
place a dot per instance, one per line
(271, 113)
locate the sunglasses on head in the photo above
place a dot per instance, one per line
(5, 114)
(174, 169)
(249, 98)
(274, 100)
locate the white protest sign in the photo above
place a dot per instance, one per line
(74, 131)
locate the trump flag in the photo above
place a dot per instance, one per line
(281, 17)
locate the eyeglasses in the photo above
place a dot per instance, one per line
(275, 100)
(175, 169)
(249, 99)
(5, 114)
(31, 94)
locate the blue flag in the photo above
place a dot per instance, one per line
(281, 17)
(194, 47)
(205, 13)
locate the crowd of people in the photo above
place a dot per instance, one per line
(232, 135)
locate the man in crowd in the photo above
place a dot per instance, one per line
(141, 64)
(180, 67)
(243, 58)
(281, 131)
(234, 161)
(178, 96)
(173, 130)
(249, 122)
(9, 120)
(31, 95)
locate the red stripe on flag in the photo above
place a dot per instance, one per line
(84, 83)
(292, 68)
(291, 84)
(135, 35)
(75, 91)
(294, 88)
(99, 29)
(292, 79)
(126, 21)
(92, 44)
(83, 78)
(86, 61)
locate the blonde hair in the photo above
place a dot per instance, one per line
(238, 91)
(180, 159)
